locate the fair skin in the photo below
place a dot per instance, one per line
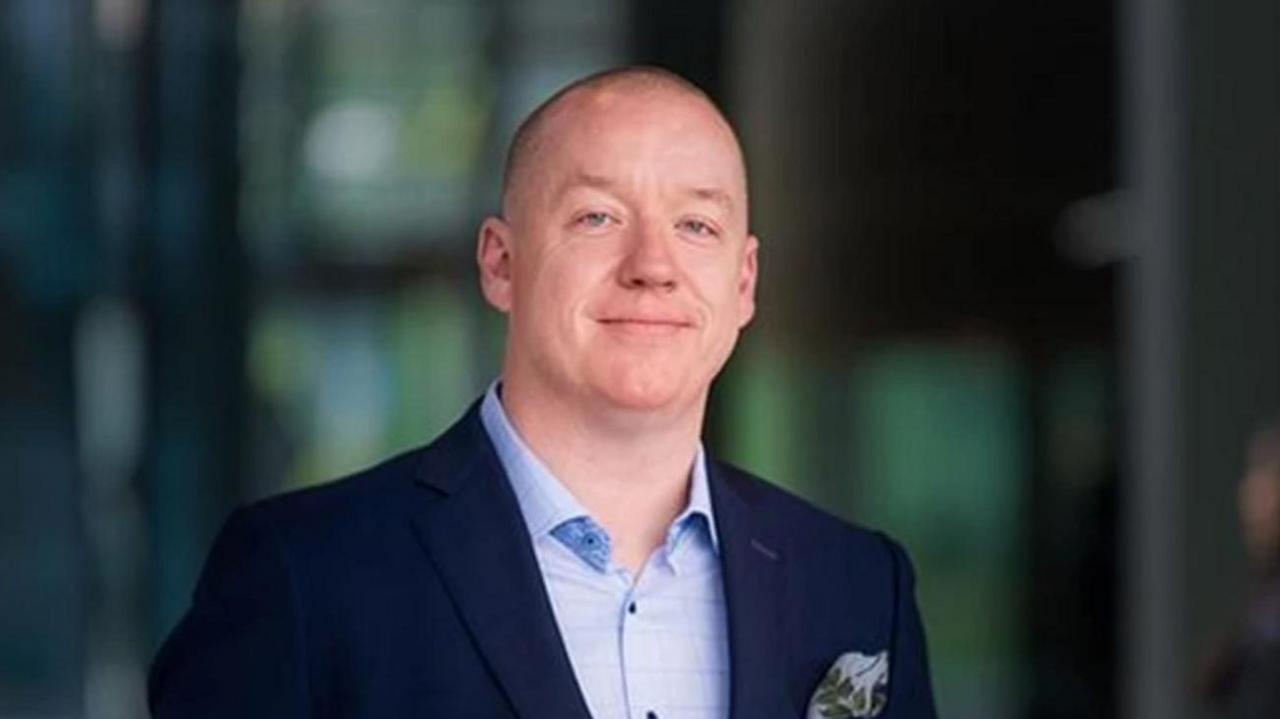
(625, 268)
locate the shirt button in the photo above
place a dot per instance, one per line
(650, 715)
(632, 609)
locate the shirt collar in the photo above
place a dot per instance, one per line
(545, 503)
(699, 501)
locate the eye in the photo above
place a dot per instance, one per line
(698, 227)
(593, 220)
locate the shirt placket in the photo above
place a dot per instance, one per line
(641, 650)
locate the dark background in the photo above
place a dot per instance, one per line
(1020, 298)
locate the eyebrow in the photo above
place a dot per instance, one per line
(712, 194)
(586, 179)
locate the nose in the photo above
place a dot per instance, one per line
(648, 263)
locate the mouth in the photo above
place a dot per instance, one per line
(645, 326)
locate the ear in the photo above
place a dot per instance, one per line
(747, 282)
(493, 256)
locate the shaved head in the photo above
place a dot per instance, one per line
(530, 134)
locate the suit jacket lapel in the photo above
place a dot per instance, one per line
(476, 538)
(752, 559)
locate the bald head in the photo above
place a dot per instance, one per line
(531, 133)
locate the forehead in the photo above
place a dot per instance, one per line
(624, 135)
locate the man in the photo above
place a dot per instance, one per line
(566, 549)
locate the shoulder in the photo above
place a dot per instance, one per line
(370, 501)
(815, 535)
(855, 585)
(313, 531)
(361, 496)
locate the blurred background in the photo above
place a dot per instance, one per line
(1020, 298)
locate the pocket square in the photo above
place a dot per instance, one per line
(856, 686)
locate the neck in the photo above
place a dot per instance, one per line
(630, 469)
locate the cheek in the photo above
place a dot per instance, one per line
(723, 308)
(718, 294)
(554, 291)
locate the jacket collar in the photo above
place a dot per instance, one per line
(753, 559)
(476, 537)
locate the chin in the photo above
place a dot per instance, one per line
(639, 389)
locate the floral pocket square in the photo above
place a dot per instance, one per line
(856, 686)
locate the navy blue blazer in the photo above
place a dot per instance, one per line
(411, 590)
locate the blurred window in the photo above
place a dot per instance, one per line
(372, 140)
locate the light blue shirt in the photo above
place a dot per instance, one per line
(646, 648)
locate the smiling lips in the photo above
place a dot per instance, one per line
(645, 326)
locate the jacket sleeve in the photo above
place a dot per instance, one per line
(910, 689)
(239, 650)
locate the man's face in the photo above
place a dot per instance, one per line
(625, 263)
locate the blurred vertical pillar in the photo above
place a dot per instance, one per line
(193, 289)
(1202, 156)
(49, 253)
(683, 36)
(1153, 132)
